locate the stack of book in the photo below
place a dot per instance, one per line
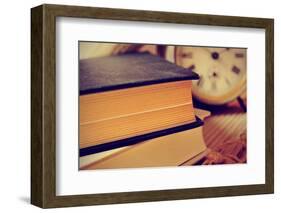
(136, 111)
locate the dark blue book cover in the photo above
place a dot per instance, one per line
(128, 70)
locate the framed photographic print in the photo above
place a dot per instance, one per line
(136, 106)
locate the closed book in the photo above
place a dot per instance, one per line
(132, 97)
(170, 150)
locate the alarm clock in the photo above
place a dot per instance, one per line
(222, 72)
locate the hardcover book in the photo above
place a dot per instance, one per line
(130, 98)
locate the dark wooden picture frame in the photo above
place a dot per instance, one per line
(43, 105)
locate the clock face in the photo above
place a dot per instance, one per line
(222, 72)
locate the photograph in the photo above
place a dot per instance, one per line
(154, 105)
(169, 105)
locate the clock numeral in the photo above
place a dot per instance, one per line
(235, 69)
(192, 67)
(227, 81)
(187, 55)
(239, 55)
(200, 81)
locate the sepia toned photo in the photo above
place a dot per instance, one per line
(149, 105)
